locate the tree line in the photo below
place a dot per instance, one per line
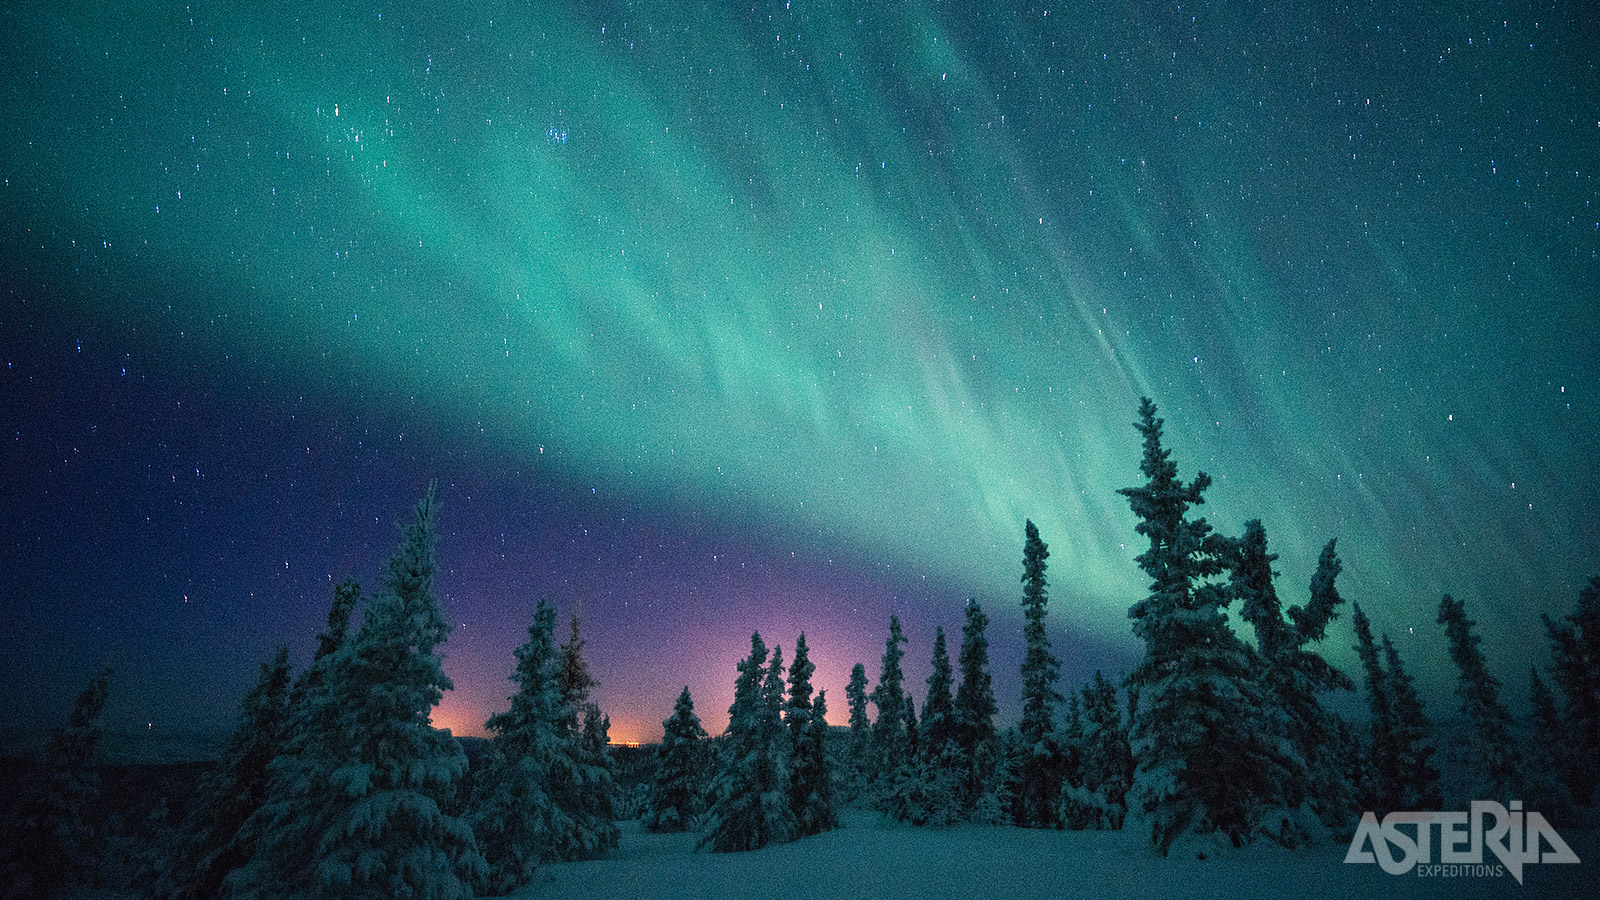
(335, 784)
(1212, 740)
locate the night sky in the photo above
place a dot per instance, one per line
(713, 317)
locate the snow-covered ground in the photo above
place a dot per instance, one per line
(870, 858)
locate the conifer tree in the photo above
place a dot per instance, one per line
(1296, 678)
(889, 737)
(675, 795)
(1040, 669)
(1380, 791)
(293, 812)
(1100, 798)
(356, 805)
(515, 818)
(1549, 755)
(346, 596)
(863, 768)
(996, 805)
(1495, 750)
(749, 797)
(1042, 770)
(938, 710)
(1575, 644)
(975, 708)
(1069, 737)
(810, 782)
(48, 847)
(212, 845)
(583, 785)
(1418, 787)
(1206, 759)
(929, 786)
(820, 812)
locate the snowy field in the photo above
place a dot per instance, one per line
(873, 859)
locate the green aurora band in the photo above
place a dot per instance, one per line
(885, 278)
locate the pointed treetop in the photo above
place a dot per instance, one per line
(1311, 621)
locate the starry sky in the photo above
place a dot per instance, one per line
(710, 318)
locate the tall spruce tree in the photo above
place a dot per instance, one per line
(49, 847)
(361, 812)
(863, 768)
(1549, 756)
(515, 817)
(975, 708)
(938, 710)
(928, 789)
(1296, 677)
(584, 783)
(1419, 779)
(810, 781)
(889, 738)
(1496, 757)
(1042, 768)
(1575, 644)
(293, 813)
(821, 810)
(1382, 784)
(212, 845)
(749, 796)
(1207, 760)
(1099, 800)
(1040, 669)
(675, 792)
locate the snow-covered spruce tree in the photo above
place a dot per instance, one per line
(1575, 644)
(823, 807)
(775, 803)
(48, 848)
(1100, 801)
(1207, 760)
(356, 807)
(676, 791)
(749, 796)
(346, 597)
(975, 708)
(1495, 753)
(1042, 772)
(938, 710)
(514, 816)
(810, 780)
(941, 764)
(1380, 789)
(594, 751)
(212, 845)
(1319, 733)
(292, 815)
(1069, 737)
(1549, 756)
(583, 784)
(1315, 793)
(1419, 780)
(905, 795)
(889, 738)
(863, 767)
(995, 805)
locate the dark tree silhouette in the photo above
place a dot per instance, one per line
(675, 796)
(1495, 752)
(1575, 644)
(48, 847)
(1206, 760)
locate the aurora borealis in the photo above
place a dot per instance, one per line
(712, 318)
